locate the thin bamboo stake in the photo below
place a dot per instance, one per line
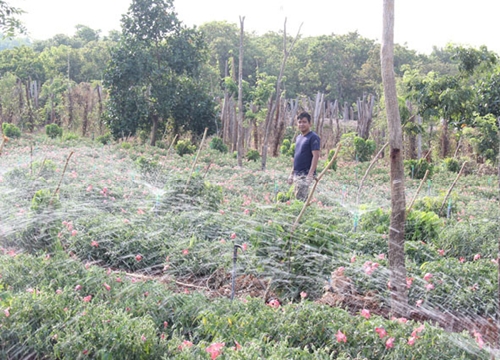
(41, 167)
(60, 180)
(195, 160)
(368, 170)
(451, 187)
(418, 190)
(4, 140)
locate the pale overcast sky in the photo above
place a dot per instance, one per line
(421, 24)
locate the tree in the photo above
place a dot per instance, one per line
(9, 23)
(154, 68)
(399, 299)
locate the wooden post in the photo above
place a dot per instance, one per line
(195, 160)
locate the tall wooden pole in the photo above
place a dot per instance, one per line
(399, 299)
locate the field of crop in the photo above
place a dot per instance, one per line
(133, 257)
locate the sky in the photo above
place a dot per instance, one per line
(419, 24)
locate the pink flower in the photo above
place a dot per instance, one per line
(222, 212)
(353, 259)
(237, 345)
(341, 337)
(118, 279)
(427, 277)
(303, 294)
(244, 246)
(365, 313)
(429, 287)
(340, 271)
(462, 259)
(162, 336)
(418, 330)
(74, 233)
(165, 324)
(78, 287)
(441, 253)
(58, 291)
(89, 188)
(233, 236)
(85, 352)
(7, 312)
(409, 281)
(411, 340)
(143, 338)
(274, 303)
(215, 350)
(381, 332)
(479, 339)
(126, 221)
(185, 251)
(107, 286)
(246, 211)
(94, 243)
(138, 257)
(381, 256)
(477, 257)
(140, 211)
(185, 344)
(222, 241)
(87, 298)
(389, 343)
(419, 303)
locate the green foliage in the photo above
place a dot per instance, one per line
(217, 144)
(147, 165)
(184, 147)
(287, 148)
(364, 148)
(143, 136)
(53, 131)
(11, 130)
(126, 145)
(253, 155)
(70, 136)
(483, 136)
(43, 199)
(416, 169)
(285, 196)
(452, 164)
(331, 153)
(104, 139)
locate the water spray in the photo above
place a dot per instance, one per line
(233, 272)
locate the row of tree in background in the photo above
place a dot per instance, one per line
(160, 77)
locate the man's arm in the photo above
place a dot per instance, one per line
(314, 165)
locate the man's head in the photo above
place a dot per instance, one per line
(304, 122)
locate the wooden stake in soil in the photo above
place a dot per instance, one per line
(451, 187)
(195, 160)
(368, 170)
(4, 140)
(60, 180)
(418, 190)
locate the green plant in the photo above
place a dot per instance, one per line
(184, 147)
(287, 148)
(43, 199)
(104, 139)
(331, 153)
(217, 144)
(143, 136)
(11, 130)
(452, 164)
(364, 148)
(126, 145)
(417, 168)
(252, 155)
(70, 136)
(53, 131)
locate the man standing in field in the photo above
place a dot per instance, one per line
(305, 159)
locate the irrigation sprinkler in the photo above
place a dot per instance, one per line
(233, 272)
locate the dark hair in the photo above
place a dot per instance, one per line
(304, 115)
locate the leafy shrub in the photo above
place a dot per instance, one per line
(252, 155)
(126, 145)
(146, 165)
(364, 148)
(11, 130)
(70, 136)
(53, 131)
(417, 168)
(452, 165)
(104, 139)
(217, 144)
(287, 148)
(143, 136)
(43, 199)
(184, 147)
(331, 153)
